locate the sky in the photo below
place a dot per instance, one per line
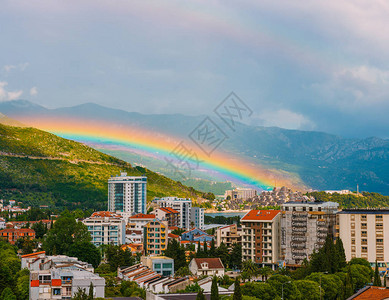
(309, 65)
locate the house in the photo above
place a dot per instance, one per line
(2, 223)
(134, 248)
(228, 235)
(161, 264)
(12, 235)
(138, 221)
(168, 214)
(206, 266)
(134, 236)
(371, 292)
(196, 235)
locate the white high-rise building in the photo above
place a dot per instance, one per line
(197, 217)
(182, 205)
(127, 194)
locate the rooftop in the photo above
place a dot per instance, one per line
(260, 215)
(213, 263)
(370, 293)
(142, 216)
(103, 214)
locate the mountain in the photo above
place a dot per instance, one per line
(321, 160)
(8, 121)
(37, 167)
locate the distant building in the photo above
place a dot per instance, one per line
(305, 226)
(138, 221)
(12, 235)
(134, 236)
(2, 223)
(206, 267)
(261, 236)
(197, 217)
(371, 292)
(167, 214)
(162, 265)
(182, 205)
(106, 228)
(228, 235)
(364, 234)
(155, 238)
(196, 235)
(240, 193)
(341, 192)
(127, 194)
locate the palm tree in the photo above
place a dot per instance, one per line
(250, 269)
(265, 272)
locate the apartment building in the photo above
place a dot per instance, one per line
(167, 214)
(106, 228)
(197, 217)
(261, 236)
(11, 235)
(162, 265)
(182, 205)
(304, 228)
(127, 194)
(138, 221)
(240, 193)
(365, 234)
(155, 237)
(228, 235)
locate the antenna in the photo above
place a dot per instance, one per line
(357, 189)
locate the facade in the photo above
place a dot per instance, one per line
(155, 237)
(127, 194)
(305, 226)
(240, 193)
(134, 236)
(138, 221)
(2, 223)
(162, 265)
(106, 228)
(228, 235)
(167, 214)
(261, 236)
(197, 217)
(196, 235)
(12, 235)
(207, 267)
(182, 205)
(365, 234)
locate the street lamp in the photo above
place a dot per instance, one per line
(320, 281)
(282, 288)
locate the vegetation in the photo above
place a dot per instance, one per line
(361, 200)
(40, 168)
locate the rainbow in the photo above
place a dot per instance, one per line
(137, 139)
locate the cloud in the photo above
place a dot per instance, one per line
(285, 119)
(6, 95)
(20, 67)
(34, 91)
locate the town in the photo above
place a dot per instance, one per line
(289, 247)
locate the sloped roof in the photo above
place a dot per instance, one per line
(260, 215)
(142, 216)
(213, 263)
(371, 292)
(103, 214)
(33, 254)
(169, 210)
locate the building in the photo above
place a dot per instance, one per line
(228, 235)
(155, 237)
(2, 223)
(162, 265)
(240, 193)
(364, 233)
(12, 235)
(305, 226)
(127, 194)
(167, 214)
(207, 267)
(138, 221)
(197, 217)
(134, 236)
(60, 277)
(371, 292)
(106, 228)
(261, 236)
(196, 235)
(182, 205)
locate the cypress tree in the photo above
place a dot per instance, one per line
(377, 278)
(212, 252)
(200, 295)
(348, 284)
(90, 295)
(199, 253)
(237, 291)
(205, 249)
(341, 256)
(214, 289)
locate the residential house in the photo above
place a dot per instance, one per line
(12, 235)
(228, 235)
(206, 266)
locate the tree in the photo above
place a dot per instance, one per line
(212, 251)
(331, 285)
(116, 257)
(348, 285)
(177, 252)
(377, 278)
(40, 229)
(237, 291)
(250, 268)
(205, 249)
(341, 255)
(200, 295)
(214, 289)
(199, 253)
(236, 256)
(265, 272)
(222, 253)
(23, 284)
(183, 271)
(80, 295)
(361, 275)
(90, 294)
(310, 289)
(7, 294)
(262, 291)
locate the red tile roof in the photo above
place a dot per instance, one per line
(173, 236)
(370, 293)
(213, 263)
(103, 214)
(142, 216)
(169, 210)
(260, 215)
(18, 230)
(33, 254)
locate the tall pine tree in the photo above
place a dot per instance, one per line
(237, 291)
(200, 295)
(214, 289)
(377, 278)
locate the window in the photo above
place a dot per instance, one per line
(363, 217)
(352, 217)
(378, 218)
(56, 291)
(364, 241)
(379, 226)
(352, 233)
(364, 249)
(363, 225)
(157, 266)
(364, 233)
(167, 265)
(379, 241)
(352, 241)
(353, 225)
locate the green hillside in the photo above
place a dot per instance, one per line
(38, 168)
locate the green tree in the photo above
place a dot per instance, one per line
(90, 294)
(237, 291)
(348, 284)
(331, 285)
(222, 253)
(250, 268)
(361, 275)
(265, 272)
(40, 229)
(236, 256)
(200, 295)
(85, 251)
(183, 271)
(177, 252)
(262, 291)
(282, 282)
(7, 294)
(116, 257)
(23, 284)
(214, 289)
(341, 255)
(205, 250)
(80, 295)
(310, 289)
(212, 251)
(377, 278)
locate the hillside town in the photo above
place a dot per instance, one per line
(165, 250)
